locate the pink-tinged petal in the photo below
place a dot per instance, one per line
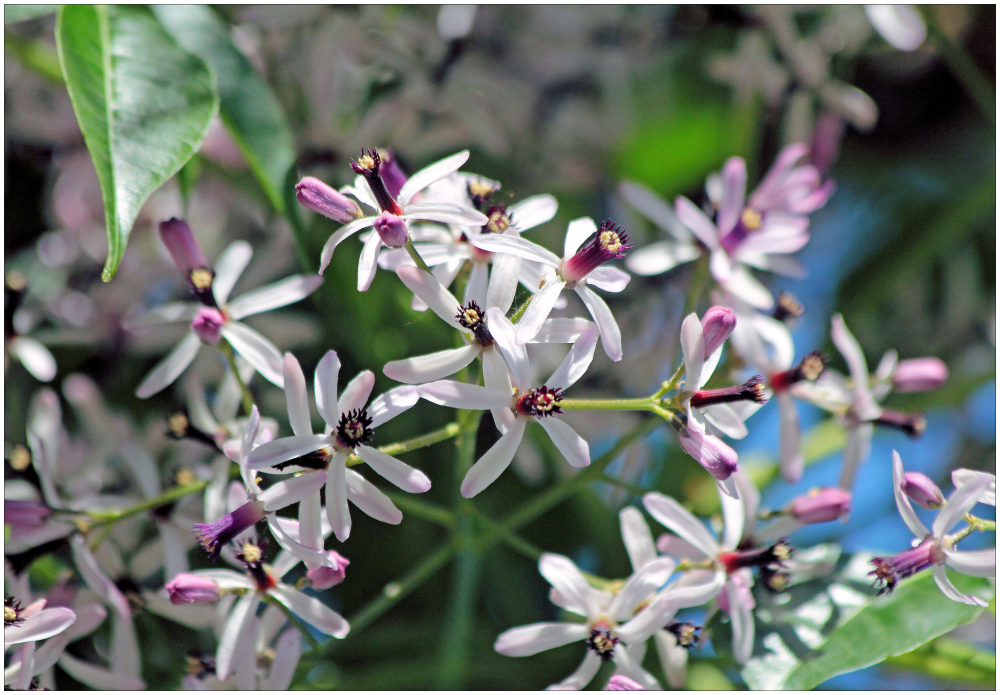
(503, 282)
(581, 677)
(745, 286)
(576, 362)
(864, 405)
(445, 213)
(673, 658)
(172, 312)
(430, 174)
(392, 403)
(337, 510)
(640, 586)
(960, 476)
(356, 393)
(567, 579)
(734, 187)
(291, 490)
(312, 611)
(629, 673)
(659, 257)
(533, 211)
(296, 397)
(608, 278)
(325, 387)
(531, 639)
(570, 444)
(476, 288)
(694, 219)
(506, 243)
(167, 371)
(285, 449)
(671, 514)
(637, 538)
(125, 657)
(401, 475)
(778, 172)
(959, 503)
(611, 336)
(975, 563)
(274, 296)
(949, 590)
(856, 451)
(437, 365)
(538, 311)
(286, 659)
(733, 520)
(674, 546)
(96, 677)
(311, 522)
(368, 262)
(503, 333)
(494, 462)
(654, 208)
(228, 268)
(237, 626)
(496, 377)
(725, 419)
(40, 626)
(789, 447)
(255, 349)
(370, 500)
(653, 617)
(427, 288)
(577, 233)
(455, 394)
(910, 517)
(338, 236)
(741, 618)
(226, 579)
(693, 350)
(563, 330)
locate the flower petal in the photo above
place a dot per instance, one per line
(172, 312)
(370, 500)
(910, 517)
(734, 188)
(338, 236)
(401, 475)
(39, 626)
(531, 639)
(693, 349)
(637, 538)
(291, 490)
(864, 405)
(673, 658)
(496, 377)
(356, 393)
(563, 330)
(312, 611)
(579, 231)
(427, 288)
(436, 365)
(507, 243)
(745, 286)
(429, 174)
(538, 311)
(959, 503)
(733, 521)
(325, 387)
(570, 444)
(628, 664)
(255, 349)
(337, 510)
(296, 397)
(694, 219)
(960, 476)
(533, 211)
(446, 213)
(286, 658)
(392, 403)
(455, 394)
(95, 577)
(659, 257)
(566, 578)
(494, 462)
(789, 446)
(640, 586)
(856, 451)
(949, 590)
(671, 514)
(654, 208)
(576, 362)
(608, 278)
(503, 333)
(741, 618)
(503, 281)
(243, 614)
(96, 677)
(975, 563)
(368, 262)
(228, 268)
(167, 371)
(275, 295)
(581, 677)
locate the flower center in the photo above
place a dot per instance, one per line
(473, 318)
(889, 570)
(354, 428)
(20, 458)
(180, 427)
(772, 556)
(686, 633)
(751, 219)
(608, 243)
(498, 221)
(251, 553)
(201, 278)
(481, 192)
(9, 615)
(369, 165)
(809, 369)
(540, 402)
(199, 665)
(602, 641)
(787, 307)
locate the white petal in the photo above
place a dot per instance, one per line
(228, 268)
(401, 475)
(392, 403)
(312, 611)
(567, 579)
(273, 296)
(455, 394)
(503, 333)
(694, 219)
(724, 418)
(42, 625)
(538, 311)
(227, 579)
(167, 371)
(426, 287)
(507, 243)
(734, 518)
(98, 678)
(292, 490)
(311, 522)
(236, 629)
(437, 365)
(336, 498)
(673, 658)
(640, 586)
(371, 500)
(856, 451)
(496, 377)
(563, 330)
(428, 175)
(671, 514)
(570, 444)
(637, 538)
(503, 281)
(368, 262)
(95, 578)
(307, 553)
(900, 25)
(125, 657)
(910, 517)
(338, 236)
(446, 213)
(695, 589)
(577, 233)
(741, 619)
(229, 396)
(533, 211)
(357, 392)
(296, 397)
(628, 663)
(864, 406)
(494, 462)
(960, 476)
(659, 257)
(959, 503)
(255, 349)
(325, 387)
(361, 191)
(285, 449)
(531, 639)
(693, 349)
(789, 447)
(581, 677)
(745, 286)
(949, 590)
(286, 659)
(655, 208)
(608, 278)
(975, 563)
(476, 287)
(576, 362)
(172, 312)
(734, 182)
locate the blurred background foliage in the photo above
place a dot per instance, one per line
(566, 100)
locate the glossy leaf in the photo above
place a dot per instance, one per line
(247, 105)
(142, 102)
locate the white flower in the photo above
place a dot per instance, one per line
(34, 356)
(960, 476)
(27, 625)
(900, 25)
(529, 404)
(350, 426)
(587, 248)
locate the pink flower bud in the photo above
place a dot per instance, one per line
(182, 245)
(325, 577)
(821, 505)
(208, 324)
(922, 490)
(610, 242)
(392, 229)
(24, 514)
(391, 173)
(621, 682)
(326, 200)
(717, 324)
(920, 374)
(190, 588)
(711, 452)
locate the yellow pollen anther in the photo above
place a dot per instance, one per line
(812, 367)
(20, 458)
(9, 614)
(480, 188)
(498, 222)
(366, 163)
(751, 219)
(201, 278)
(251, 553)
(471, 316)
(178, 423)
(185, 476)
(610, 241)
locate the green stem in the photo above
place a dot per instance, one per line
(226, 349)
(607, 404)
(294, 620)
(415, 255)
(673, 383)
(962, 67)
(423, 510)
(445, 433)
(634, 489)
(520, 310)
(171, 495)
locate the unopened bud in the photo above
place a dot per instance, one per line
(190, 588)
(922, 490)
(717, 324)
(392, 229)
(821, 505)
(751, 390)
(326, 200)
(208, 324)
(182, 245)
(920, 374)
(24, 514)
(712, 453)
(392, 174)
(913, 425)
(325, 577)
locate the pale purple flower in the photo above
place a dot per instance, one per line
(351, 426)
(586, 250)
(527, 405)
(27, 625)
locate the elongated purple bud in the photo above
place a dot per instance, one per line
(326, 200)
(392, 229)
(190, 588)
(818, 506)
(608, 243)
(920, 374)
(208, 324)
(717, 324)
(24, 514)
(889, 570)
(325, 577)
(182, 245)
(712, 453)
(922, 490)
(392, 174)
(215, 535)
(751, 390)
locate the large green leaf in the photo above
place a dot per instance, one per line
(247, 105)
(142, 102)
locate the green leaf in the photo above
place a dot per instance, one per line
(247, 105)
(20, 13)
(142, 102)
